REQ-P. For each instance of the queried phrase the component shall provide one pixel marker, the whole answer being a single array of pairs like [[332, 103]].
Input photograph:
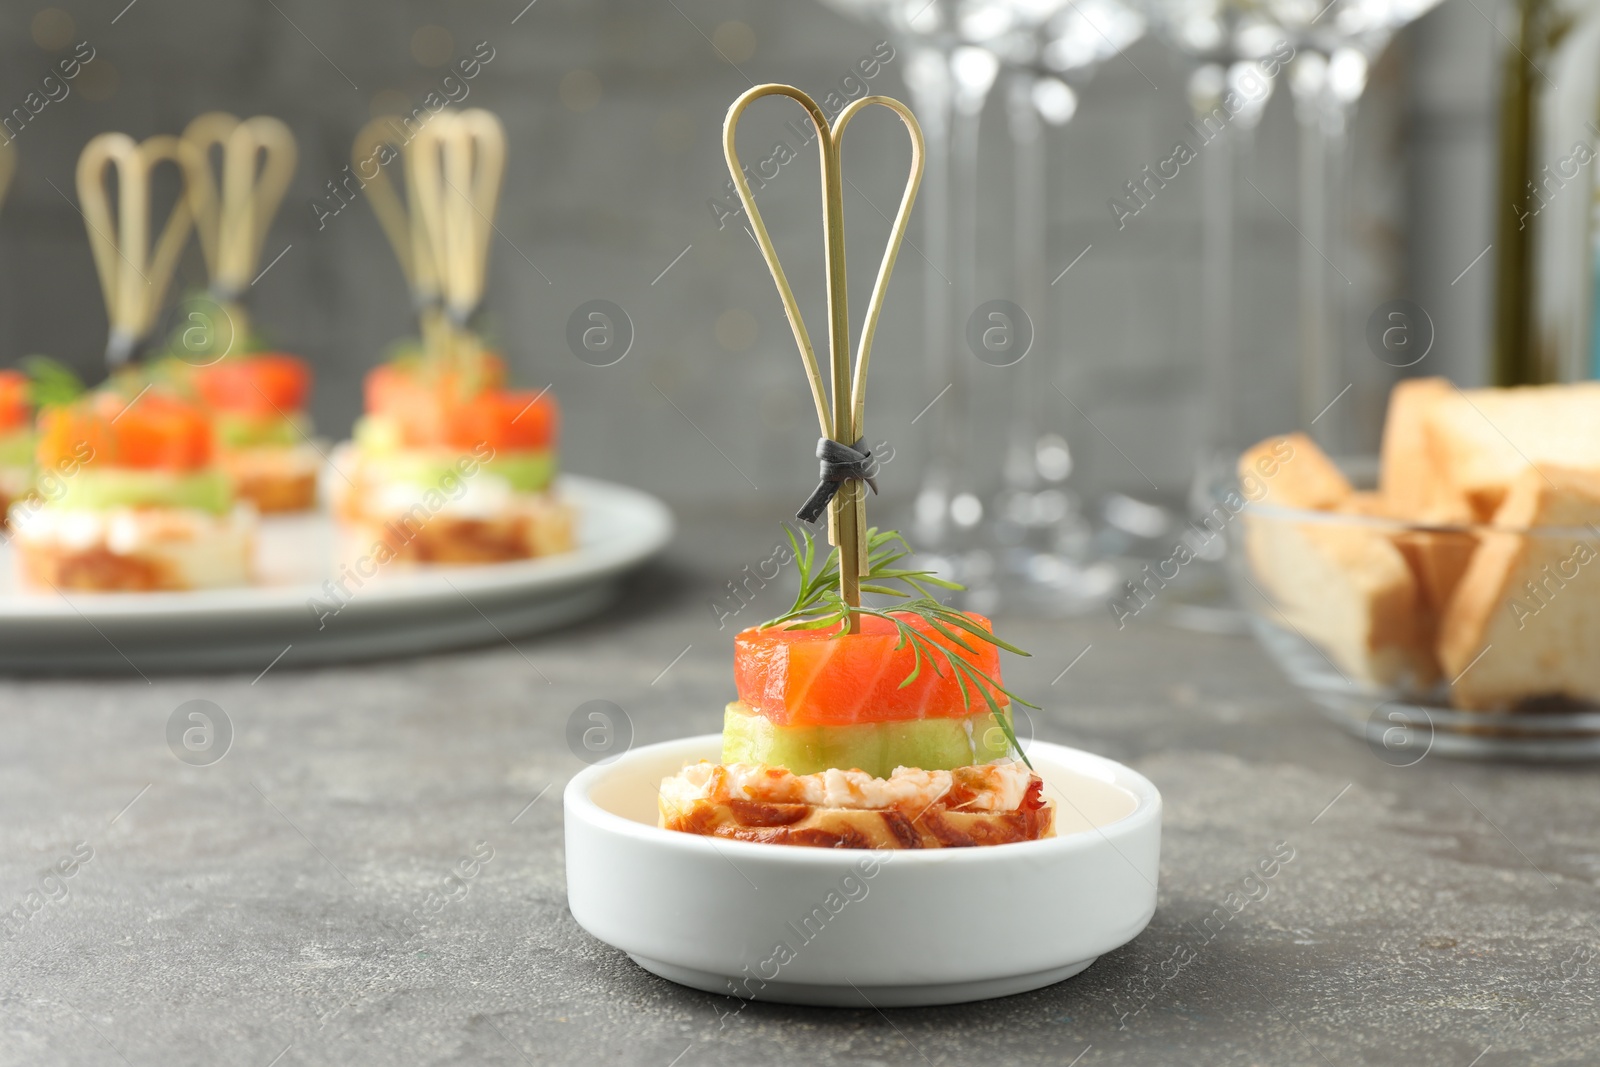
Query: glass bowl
[[1466, 640]]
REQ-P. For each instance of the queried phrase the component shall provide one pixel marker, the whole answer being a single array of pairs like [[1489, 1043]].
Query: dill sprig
[[50, 382], [819, 605]]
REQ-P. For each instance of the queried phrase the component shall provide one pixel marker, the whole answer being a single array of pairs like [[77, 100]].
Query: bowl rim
[[1230, 484], [1147, 808]]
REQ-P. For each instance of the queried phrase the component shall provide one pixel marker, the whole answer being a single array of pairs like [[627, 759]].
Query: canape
[[896, 735], [16, 439], [871, 754], [450, 467], [861, 928], [263, 430], [235, 175], [137, 502]]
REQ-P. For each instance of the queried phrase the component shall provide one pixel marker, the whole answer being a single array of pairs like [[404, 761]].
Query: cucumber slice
[[99, 490], [528, 472], [235, 431], [875, 747], [16, 448], [376, 435]]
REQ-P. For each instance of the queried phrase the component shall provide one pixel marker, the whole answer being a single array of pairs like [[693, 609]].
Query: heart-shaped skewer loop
[[381, 142], [133, 272], [841, 402], [234, 202]]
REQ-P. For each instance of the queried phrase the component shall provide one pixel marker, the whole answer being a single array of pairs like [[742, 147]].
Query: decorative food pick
[[259, 396], [448, 464], [455, 169], [845, 465], [16, 408], [856, 725], [40, 381], [233, 210], [135, 499], [133, 272], [379, 143], [8, 167]]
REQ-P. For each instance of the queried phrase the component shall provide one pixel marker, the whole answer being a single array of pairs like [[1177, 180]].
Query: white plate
[[860, 928], [399, 612]]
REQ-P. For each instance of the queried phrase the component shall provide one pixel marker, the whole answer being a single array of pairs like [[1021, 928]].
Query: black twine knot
[[471, 320], [227, 294], [123, 347], [840, 463]]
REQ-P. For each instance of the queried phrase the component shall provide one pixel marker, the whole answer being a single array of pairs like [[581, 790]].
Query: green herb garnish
[[819, 605], [207, 329], [50, 382]]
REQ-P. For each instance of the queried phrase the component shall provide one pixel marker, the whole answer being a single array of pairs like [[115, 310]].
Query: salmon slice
[[823, 678]]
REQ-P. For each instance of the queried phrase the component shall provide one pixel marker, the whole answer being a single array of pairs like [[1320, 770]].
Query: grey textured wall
[[614, 110]]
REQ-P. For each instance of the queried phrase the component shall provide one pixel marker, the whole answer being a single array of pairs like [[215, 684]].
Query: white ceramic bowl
[[856, 928]]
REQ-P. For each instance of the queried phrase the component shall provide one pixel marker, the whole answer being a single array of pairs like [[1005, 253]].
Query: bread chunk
[[1482, 439], [1292, 472], [985, 804], [1411, 479], [1344, 587], [1533, 601]]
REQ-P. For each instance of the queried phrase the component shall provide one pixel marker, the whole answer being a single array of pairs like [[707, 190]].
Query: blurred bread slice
[[1532, 601], [1438, 561], [1437, 558], [1344, 587], [1412, 480], [1480, 440], [1292, 472], [1428, 420]]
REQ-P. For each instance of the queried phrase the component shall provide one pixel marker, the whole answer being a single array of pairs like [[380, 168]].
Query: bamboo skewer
[[133, 273], [455, 172], [8, 168], [402, 223], [844, 419], [232, 214], [454, 167]]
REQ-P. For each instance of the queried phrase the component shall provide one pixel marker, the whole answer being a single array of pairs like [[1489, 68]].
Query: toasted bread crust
[[96, 569], [274, 478], [277, 493], [725, 814], [453, 539], [137, 550], [1294, 472], [1482, 439], [1437, 559], [1521, 624], [1346, 588], [1411, 476]]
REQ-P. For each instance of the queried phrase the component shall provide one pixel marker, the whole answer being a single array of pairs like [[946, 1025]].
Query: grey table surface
[[252, 911]]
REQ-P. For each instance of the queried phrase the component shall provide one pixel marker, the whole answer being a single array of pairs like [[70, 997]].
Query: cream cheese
[[1003, 786]]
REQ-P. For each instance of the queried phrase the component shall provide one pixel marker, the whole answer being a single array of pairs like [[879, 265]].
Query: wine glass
[[1045, 538], [1335, 43], [1235, 58], [957, 50]]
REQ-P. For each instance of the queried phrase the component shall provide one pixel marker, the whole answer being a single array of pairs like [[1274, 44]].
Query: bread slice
[[1482, 439], [274, 478], [1412, 481], [125, 550], [1344, 587], [1531, 601], [1292, 472], [1437, 558], [986, 804]]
